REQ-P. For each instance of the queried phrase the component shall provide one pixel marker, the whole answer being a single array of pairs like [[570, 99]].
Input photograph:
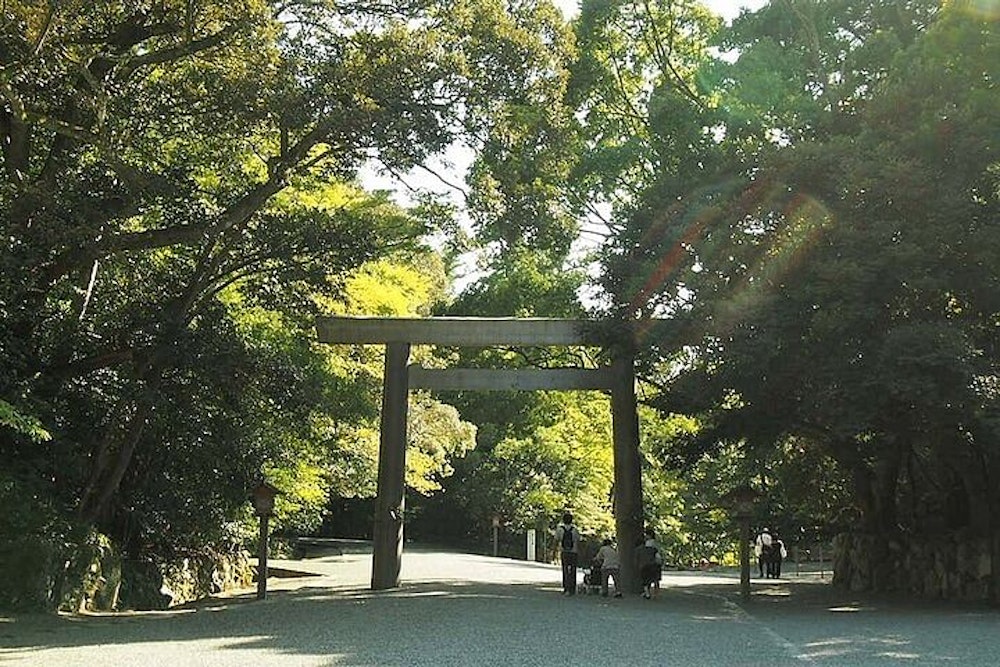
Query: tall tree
[[832, 287]]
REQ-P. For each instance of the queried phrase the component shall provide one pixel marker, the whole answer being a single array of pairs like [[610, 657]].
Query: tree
[[832, 291], [175, 210], [633, 88]]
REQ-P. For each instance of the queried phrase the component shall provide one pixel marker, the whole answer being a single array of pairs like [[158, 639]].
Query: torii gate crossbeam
[[399, 333]]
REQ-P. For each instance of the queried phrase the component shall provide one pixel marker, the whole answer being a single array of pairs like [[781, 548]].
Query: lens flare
[[692, 219], [986, 9], [668, 263], [806, 219]]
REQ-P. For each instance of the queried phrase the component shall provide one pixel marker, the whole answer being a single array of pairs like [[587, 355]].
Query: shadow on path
[[461, 609]]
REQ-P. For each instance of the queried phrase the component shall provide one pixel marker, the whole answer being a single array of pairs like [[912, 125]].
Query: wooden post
[[263, 504], [496, 537], [262, 559], [387, 547], [628, 470], [744, 556]]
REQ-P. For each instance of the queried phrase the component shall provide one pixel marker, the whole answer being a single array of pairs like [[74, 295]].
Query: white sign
[[532, 551]]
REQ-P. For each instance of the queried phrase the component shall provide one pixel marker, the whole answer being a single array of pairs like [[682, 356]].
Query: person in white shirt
[[568, 539], [607, 556], [762, 549]]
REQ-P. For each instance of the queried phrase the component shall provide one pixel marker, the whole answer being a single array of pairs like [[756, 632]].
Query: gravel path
[[458, 609]]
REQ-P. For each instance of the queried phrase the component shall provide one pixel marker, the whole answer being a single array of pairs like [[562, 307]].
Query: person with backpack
[[650, 564], [568, 539]]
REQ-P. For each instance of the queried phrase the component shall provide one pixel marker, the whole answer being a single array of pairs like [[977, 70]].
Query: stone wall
[[147, 585], [90, 574], [954, 566]]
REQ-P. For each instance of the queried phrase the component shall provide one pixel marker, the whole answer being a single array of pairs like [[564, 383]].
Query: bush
[[30, 571], [33, 547]]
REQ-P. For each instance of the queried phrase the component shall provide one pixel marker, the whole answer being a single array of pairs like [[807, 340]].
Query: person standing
[[568, 539], [607, 556], [762, 549], [650, 564], [778, 554]]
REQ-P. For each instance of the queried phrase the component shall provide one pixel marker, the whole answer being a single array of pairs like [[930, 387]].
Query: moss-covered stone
[[955, 566], [90, 574]]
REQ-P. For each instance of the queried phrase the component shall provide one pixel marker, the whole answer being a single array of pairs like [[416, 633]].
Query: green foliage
[[826, 264], [635, 60], [527, 283], [176, 213], [26, 425], [32, 564], [436, 436], [563, 461]]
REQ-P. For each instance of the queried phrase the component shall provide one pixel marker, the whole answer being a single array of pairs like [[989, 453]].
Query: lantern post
[[262, 496], [741, 501]]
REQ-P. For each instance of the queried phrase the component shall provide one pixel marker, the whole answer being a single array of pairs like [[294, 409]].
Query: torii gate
[[398, 334]]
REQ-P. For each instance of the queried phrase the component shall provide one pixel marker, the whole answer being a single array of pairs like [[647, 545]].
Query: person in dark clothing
[[650, 561], [568, 539], [778, 554]]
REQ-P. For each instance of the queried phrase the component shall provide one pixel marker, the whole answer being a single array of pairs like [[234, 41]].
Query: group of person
[[770, 552], [769, 549], [607, 560]]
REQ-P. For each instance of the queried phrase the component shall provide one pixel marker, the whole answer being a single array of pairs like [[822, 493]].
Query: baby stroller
[[592, 579]]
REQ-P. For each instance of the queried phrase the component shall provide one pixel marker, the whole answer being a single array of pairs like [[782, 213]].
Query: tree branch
[[178, 52]]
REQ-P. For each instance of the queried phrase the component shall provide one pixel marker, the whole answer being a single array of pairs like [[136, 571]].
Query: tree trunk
[[112, 462], [885, 487]]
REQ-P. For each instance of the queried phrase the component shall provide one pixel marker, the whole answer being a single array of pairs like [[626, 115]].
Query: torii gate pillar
[[628, 469], [387, 535]]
